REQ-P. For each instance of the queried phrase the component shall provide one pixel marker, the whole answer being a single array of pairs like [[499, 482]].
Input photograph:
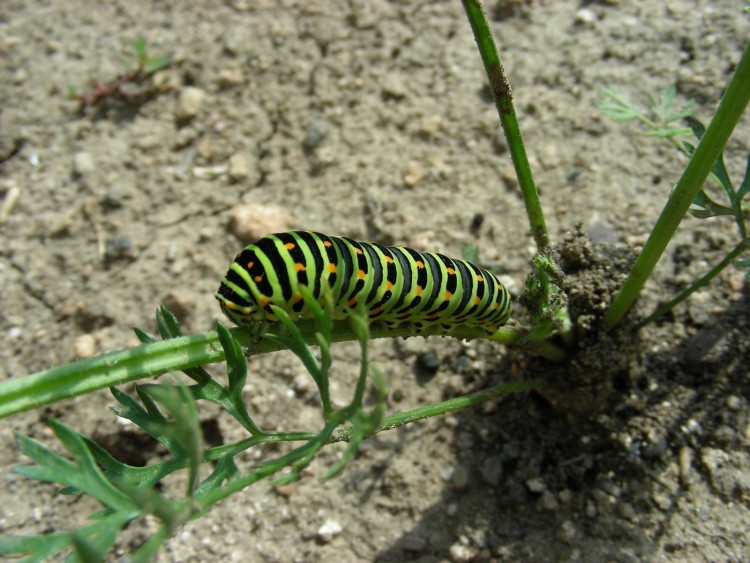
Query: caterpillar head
[[239, 315]]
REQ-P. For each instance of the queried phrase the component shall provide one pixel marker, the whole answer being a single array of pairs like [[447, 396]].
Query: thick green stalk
[[116, 368], [730, 109], [503, 97]]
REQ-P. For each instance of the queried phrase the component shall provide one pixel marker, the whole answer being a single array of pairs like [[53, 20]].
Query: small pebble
[[662, 501], [460, 365], [113, 197], [692, 426], [238, 169], [231, 77], [301, 383], [413, 174], [209, 172], [329, 530], [117, 248], [428, 362], [734, 403], [536, 485], [52, 46], [83, 164], [166, 80], [458, 552], [451, 509], [252, 221], [737, 280], [85, 346], [626, 511], [205, 148], [317, 131], [285, 491], [9, 202], [430, 125], [585, 16], [189, 103], [450, 421], [393, 86]]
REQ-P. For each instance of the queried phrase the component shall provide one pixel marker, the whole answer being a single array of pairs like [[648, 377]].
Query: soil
[[371, 120]]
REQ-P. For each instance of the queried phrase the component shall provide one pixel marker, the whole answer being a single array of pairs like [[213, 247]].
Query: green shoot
[[149, 64], [661, 114]]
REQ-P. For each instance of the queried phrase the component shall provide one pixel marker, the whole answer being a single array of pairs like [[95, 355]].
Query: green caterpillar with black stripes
[[398, 285]]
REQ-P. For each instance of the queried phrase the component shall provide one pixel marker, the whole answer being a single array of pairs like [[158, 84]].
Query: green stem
[[730, 109], [117, 368], [715, 271], [503, 97], [300, 455], [444, 407], [535, 341]]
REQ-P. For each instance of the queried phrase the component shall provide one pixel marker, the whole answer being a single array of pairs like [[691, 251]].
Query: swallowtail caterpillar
[[397, 285]]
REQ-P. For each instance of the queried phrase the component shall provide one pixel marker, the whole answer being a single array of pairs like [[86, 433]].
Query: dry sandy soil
[[371, 120]]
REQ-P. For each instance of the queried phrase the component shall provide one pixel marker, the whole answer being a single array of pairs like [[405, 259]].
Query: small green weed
[[129, 84]]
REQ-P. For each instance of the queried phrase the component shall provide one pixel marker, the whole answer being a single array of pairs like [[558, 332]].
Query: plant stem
[[531, 342], [715, 271], [503, 97], [444, 407], [730, 109], [116, 368]]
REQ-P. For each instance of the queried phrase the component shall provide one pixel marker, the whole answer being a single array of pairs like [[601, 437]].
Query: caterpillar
[[397, 285]]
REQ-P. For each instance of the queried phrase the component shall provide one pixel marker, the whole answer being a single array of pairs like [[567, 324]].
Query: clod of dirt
[[602, 356]]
